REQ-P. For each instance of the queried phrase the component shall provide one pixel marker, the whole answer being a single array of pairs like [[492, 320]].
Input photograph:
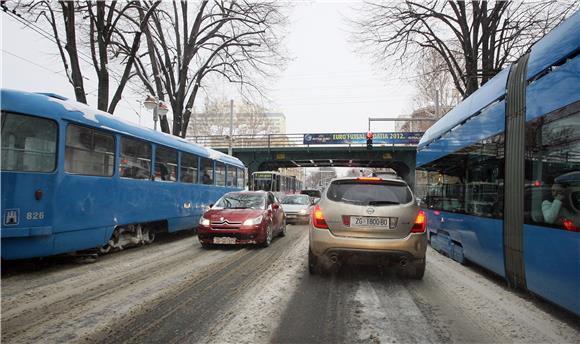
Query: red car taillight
[[318, 220], [420, 223]]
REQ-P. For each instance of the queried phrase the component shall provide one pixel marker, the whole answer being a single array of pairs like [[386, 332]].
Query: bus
[[501, 172], [76, 179], [276, 182]]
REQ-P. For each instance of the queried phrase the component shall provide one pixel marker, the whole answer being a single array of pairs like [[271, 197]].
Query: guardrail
[[278, 140]]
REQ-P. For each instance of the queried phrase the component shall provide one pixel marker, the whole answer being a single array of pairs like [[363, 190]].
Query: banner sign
[[390, 138], [266, 175]]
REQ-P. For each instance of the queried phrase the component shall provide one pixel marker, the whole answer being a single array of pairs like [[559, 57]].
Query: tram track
[[66, 269], [18, 320], [31, 320], [196, 305]]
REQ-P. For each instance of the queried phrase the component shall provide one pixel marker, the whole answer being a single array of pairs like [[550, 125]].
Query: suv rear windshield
[[369, 193]]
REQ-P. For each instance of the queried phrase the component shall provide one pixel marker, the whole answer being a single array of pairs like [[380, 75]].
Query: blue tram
[[74, 178], [499, 175]]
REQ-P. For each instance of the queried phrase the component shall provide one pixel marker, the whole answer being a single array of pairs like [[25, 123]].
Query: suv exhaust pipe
[[333, 259], [403, 262]]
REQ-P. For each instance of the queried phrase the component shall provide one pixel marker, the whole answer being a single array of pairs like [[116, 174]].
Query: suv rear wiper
[[382, 202]]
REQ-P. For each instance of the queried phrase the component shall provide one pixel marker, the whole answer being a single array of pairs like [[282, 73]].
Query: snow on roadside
[[507, 314], [257, 313]]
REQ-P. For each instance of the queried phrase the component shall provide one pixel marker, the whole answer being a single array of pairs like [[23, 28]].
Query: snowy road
[[176, 292]]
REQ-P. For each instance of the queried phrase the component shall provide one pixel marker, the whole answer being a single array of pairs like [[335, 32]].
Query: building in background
[[423, 112], [277, 122], [250, 123]]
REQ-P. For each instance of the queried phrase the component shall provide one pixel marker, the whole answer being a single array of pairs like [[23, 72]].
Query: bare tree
[[320, 177], [475, 39], [435, 86], [101, 27], [187, 42], [435, 93]]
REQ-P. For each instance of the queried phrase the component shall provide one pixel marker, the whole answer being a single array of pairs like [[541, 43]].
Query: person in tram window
[[205, 178], [557, 211]]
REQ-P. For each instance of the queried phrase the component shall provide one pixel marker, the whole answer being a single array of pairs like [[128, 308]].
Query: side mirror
[[211, 205]]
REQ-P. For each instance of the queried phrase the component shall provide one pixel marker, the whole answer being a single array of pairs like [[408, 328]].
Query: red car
[[252, 217]]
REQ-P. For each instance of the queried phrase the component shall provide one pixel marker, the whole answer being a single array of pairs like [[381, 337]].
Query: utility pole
[[231, 126]]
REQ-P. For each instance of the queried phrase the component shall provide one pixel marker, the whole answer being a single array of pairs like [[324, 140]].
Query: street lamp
[[162, 109], [158, 107]]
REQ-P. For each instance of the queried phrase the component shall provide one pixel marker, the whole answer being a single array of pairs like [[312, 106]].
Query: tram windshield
[[263, 184]]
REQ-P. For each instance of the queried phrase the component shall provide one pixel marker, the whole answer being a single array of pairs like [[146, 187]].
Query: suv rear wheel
[[415, 270]]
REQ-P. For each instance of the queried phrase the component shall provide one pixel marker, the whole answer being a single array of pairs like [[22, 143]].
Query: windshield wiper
[[382, 202]]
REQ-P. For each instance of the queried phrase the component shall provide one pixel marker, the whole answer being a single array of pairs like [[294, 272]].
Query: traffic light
[[369, 140]]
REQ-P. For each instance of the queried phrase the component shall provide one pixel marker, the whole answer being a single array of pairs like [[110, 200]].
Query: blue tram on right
[[499, 175], [74, 178]]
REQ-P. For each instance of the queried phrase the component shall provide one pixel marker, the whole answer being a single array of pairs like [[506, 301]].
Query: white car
[[297, 208]]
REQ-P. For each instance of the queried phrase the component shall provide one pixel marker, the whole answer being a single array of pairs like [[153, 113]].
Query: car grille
[[225, 224]]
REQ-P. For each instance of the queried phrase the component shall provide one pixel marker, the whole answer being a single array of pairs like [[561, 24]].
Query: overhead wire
[[82, 55], [59, 73]]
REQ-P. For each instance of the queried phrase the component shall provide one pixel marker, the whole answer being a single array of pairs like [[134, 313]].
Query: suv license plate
[[368, 221], [224, 240]]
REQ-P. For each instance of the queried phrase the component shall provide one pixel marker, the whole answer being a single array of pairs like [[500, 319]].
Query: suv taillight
[[420, 223], [318, 220]]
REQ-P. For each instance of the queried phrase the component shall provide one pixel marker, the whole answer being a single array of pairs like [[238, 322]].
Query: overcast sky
[[326, 86]]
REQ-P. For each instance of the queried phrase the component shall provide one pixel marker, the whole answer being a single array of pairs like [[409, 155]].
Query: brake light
[[346, 220], [375, 179], [420, 223], [569, 226], [318, 220]]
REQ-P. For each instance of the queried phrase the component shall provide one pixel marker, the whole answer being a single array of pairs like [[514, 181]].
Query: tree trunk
[[68, 9], [103, 75]]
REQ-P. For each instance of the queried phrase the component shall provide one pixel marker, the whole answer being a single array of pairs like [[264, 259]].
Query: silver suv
[[370, 219]]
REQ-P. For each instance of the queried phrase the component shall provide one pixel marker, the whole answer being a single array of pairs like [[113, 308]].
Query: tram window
[[231, 170], [552, 179], [484, 179], [89, 151], [220, 174], [446, 184], [188, 168], [165, 164], [206, 172], [28, 143], [135, 159], [241, 178]]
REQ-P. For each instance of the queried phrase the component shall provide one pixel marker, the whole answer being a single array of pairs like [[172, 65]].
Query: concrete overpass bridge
[[270, 152]]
